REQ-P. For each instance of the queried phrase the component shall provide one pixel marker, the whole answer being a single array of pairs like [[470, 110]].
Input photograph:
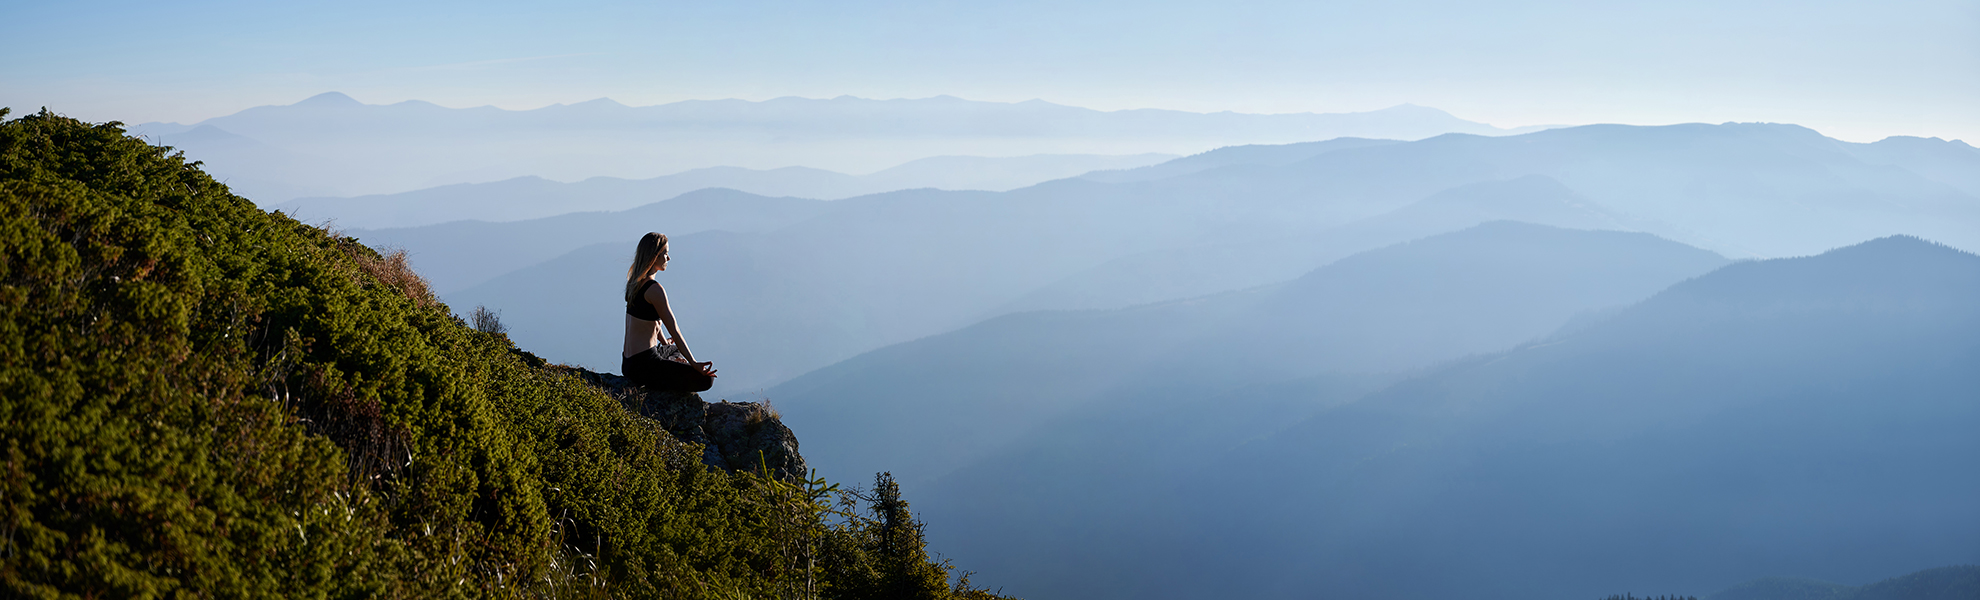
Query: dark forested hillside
[[200, 399], [1943, 583]]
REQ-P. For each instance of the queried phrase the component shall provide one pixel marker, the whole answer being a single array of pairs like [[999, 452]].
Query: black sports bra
[[639, 308]]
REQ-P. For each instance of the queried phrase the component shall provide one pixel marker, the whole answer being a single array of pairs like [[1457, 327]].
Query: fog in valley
[[1099, 300], [332, 145], [1160, 354]]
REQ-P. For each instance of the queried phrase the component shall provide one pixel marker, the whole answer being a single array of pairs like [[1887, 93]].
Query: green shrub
[[201, 399], [884, 555]]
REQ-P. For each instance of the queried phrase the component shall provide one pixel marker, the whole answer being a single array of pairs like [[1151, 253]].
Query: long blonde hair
[[644, 256]]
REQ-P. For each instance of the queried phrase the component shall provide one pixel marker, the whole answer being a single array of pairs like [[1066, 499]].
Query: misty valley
[[1557, 364], [1377, 355]]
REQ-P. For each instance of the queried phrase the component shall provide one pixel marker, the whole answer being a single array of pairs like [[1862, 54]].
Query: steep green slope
[[199, 399]]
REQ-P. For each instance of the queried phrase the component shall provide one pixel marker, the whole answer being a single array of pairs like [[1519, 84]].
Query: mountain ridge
[[1764, 191], [412, 145], [1362, 314], [1713, 444], [532, 197]]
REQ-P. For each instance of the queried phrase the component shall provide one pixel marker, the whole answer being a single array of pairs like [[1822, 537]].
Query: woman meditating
[[659, 365]]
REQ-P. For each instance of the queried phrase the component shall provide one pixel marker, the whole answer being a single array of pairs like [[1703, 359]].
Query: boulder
[[734, 436]]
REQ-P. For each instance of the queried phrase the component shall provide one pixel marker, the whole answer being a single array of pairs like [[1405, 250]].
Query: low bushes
[[201, 399]]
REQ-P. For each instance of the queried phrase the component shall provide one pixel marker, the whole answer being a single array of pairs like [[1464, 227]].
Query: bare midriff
[[641, 335]]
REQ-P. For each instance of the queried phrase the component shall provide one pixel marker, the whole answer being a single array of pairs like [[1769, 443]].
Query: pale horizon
[[1853, 72], [518, 107], [194, 113]]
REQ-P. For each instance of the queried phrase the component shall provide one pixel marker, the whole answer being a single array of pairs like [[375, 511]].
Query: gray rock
[[734, 436]]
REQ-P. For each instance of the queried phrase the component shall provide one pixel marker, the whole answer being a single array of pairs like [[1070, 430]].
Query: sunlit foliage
[[200, 398]]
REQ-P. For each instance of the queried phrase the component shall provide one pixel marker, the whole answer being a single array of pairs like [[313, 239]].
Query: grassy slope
[[201, 399]]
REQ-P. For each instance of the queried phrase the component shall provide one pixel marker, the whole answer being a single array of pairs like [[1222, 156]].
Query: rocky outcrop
[[734, 436]]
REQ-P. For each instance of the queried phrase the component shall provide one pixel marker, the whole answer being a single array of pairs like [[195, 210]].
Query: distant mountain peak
[[1864, 274], [1789, 129], [1912, 140], [1899, 245], [329, 99], [1882, 255]]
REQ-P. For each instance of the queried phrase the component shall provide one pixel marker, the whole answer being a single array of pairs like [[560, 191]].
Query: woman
[[657, 364]]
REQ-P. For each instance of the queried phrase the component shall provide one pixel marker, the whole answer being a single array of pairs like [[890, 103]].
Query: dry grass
[[761, 411], [391, 269]]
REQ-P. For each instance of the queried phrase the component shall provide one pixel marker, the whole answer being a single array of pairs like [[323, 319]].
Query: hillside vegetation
[[200, 399]]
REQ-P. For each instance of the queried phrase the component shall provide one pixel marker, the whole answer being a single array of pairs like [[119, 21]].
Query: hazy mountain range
[[1808, 417], [954, 397], [333, 145], [783, 286], [534, 197], [1565, 363]]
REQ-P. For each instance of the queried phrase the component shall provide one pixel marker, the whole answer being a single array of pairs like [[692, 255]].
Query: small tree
[[884, 556], [487, 321]]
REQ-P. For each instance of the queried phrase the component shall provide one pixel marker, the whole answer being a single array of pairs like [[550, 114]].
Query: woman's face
[[663, 257]]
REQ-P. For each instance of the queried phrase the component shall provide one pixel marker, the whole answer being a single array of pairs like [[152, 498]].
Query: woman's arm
[[657, 296]]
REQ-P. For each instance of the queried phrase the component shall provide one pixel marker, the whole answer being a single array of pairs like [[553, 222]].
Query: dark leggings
[[661, 375]]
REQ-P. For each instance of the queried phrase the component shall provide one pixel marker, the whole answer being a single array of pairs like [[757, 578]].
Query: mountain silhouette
[[329, 100], [953, 398], [1807, 415], [414, 145], [1249, 154], [526, 198], [1166, 274], [1952, 162], [882, 269]]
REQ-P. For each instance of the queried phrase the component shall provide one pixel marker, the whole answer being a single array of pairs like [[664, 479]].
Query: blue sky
[[1856, 70]]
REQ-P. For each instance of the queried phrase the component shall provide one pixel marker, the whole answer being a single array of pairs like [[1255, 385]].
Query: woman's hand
[[706, 368]]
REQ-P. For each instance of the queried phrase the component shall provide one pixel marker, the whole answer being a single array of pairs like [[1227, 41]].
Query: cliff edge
[[734, 436]]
